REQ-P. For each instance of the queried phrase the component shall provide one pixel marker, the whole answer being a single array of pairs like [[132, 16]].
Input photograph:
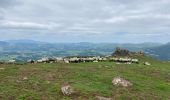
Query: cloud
[[6, 3], [85, 20], [27, 25]]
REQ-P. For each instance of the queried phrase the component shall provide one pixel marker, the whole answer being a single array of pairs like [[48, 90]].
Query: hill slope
[[43, 81], [160, 52]]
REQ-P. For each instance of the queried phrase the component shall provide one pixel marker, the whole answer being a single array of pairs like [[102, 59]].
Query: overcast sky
[[85, 20]]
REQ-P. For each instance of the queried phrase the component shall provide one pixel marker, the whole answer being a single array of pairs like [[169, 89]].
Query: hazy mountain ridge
[[160, 52], [28, 49]]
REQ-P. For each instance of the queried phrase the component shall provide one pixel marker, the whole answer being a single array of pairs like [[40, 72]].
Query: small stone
[[67, 90], [2, 68], [106, 66], [48, 82], [102, 98], [128, 63], [120, 81], [18, 81], [117, 63], [25, 78]]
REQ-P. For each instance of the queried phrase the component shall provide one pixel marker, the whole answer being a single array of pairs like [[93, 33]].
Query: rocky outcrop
[[125, 53], [121, 52]]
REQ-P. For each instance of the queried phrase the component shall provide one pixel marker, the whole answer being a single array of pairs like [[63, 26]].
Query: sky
[[118, 21]]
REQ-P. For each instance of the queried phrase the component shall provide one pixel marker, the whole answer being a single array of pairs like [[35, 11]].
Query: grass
[[88, 79]]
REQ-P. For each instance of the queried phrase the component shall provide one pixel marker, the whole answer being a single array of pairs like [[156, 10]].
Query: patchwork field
[[43, 81]]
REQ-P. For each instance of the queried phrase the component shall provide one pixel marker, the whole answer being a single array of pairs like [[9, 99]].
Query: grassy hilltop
[[88, 80]]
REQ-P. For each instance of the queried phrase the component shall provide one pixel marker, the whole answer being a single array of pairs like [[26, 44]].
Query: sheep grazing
[[11, 62], [66, 61], [147, 63], [124, 60], [59, 59], [39, 61], [30, 61], [74, 60], [95, 61], [1, 62], [135, 61]]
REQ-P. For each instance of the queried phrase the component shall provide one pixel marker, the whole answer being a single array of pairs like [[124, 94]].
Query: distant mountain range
[[29, 49], [161, 52]]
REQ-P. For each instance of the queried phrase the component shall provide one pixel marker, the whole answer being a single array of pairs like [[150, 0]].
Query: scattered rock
[[10, 61], [106, 66], [25, 78], [48, 82], [18, 81], [147, 63], [67, 90], [102, 98], [120, 81], [2, 68]]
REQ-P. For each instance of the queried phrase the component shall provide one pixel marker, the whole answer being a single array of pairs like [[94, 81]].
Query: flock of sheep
[[118, 60], [83, 59]]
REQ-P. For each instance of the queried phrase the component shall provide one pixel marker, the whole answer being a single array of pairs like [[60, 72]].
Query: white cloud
[[84, 18], [28, 25]]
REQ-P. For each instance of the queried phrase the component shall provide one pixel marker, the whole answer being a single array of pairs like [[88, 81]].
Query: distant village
[[119, 56]]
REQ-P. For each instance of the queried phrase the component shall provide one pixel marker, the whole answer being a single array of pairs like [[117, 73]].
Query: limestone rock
[[121, 82], [102, 98], [2, 68], [67, 90], [25, 78]]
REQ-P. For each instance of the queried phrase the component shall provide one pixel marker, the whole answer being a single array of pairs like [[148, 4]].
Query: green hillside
[[43, 81], [160, 52]]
